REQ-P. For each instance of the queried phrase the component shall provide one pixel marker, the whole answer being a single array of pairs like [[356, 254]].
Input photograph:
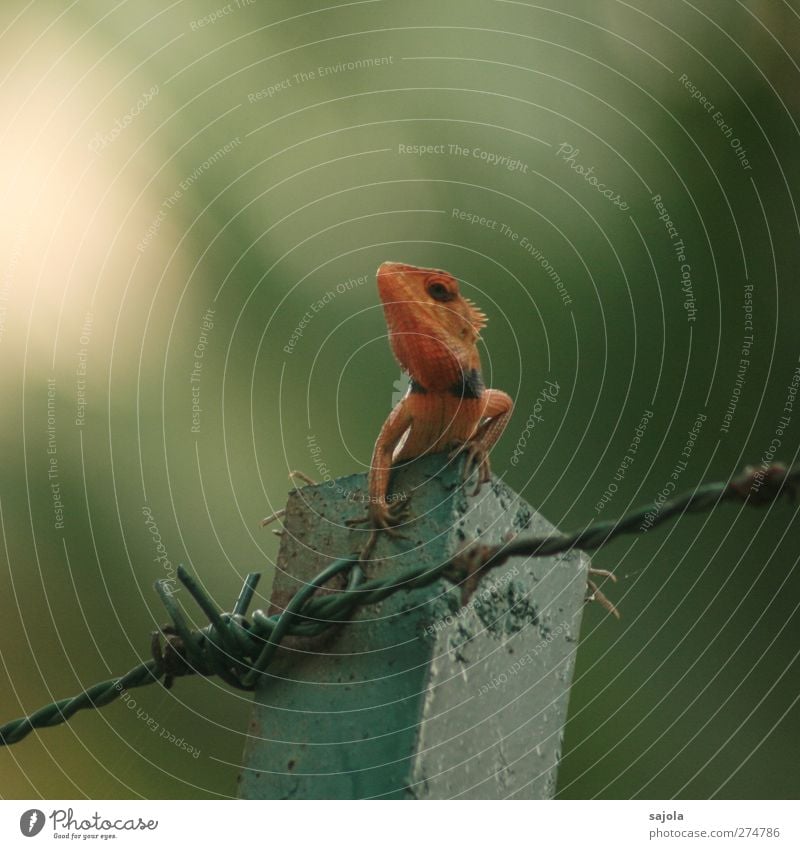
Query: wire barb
[[239, 651]]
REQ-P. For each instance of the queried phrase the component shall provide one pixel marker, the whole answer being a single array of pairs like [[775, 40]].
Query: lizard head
[[433, 328]]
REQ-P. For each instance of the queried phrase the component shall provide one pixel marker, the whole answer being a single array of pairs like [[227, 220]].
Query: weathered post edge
[[419, 697]]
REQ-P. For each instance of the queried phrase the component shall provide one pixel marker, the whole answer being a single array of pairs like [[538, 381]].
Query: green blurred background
[[149, 174]]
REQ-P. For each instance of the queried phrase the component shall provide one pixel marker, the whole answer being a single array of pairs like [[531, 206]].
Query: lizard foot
[[595, 593], [384, 518], [477, 460]]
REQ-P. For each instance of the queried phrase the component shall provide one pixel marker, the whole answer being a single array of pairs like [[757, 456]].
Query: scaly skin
[[433, 331]]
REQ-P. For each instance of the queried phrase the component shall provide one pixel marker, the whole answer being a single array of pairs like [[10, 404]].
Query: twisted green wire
[[239, 650]]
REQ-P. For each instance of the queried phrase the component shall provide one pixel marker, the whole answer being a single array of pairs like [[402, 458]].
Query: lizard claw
[[384, 518], [477, 460]]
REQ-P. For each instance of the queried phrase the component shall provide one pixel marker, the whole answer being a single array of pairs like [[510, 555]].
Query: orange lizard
[[433, 331]]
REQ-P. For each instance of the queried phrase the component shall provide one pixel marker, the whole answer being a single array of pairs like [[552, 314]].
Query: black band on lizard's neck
[[470, 386], [417, 388]]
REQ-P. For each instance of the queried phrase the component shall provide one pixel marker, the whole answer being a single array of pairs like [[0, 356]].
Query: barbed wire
[[239, 650]]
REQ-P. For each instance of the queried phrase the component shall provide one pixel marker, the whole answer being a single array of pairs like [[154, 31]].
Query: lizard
[[434, 332]]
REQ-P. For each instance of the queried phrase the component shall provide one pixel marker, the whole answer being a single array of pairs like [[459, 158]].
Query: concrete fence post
[[419, 697]]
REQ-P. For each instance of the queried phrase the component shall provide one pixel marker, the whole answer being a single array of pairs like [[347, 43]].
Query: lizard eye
[[439, 292]]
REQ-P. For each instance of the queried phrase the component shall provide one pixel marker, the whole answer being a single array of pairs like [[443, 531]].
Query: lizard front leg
[[497, 409], [381, 516]]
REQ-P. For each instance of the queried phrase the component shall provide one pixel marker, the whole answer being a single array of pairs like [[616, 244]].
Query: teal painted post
[[419, 697]]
